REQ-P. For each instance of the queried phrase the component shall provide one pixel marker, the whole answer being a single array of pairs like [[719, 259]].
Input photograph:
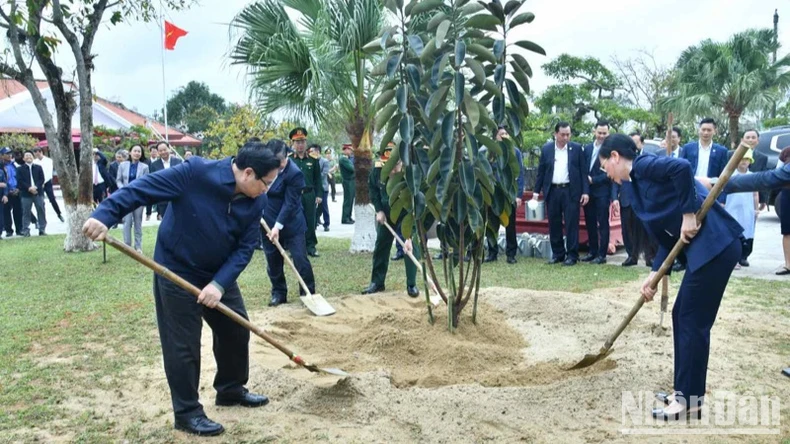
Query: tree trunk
[[734, 130], [364, 238]]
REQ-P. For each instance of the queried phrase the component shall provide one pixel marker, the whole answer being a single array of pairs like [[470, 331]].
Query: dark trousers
[[275, 261], [381, 257], [349, 194], [332, 186], [562, 206], [747, 245], [308, 204], [511, 245], [161, 208], [13, 215], [99, 191], [398, 247], [650, 246], [596, 216], [28, 202], [323, 211], [148, 209], [180, 321], [51, 196], [693, 315], [625, 220]]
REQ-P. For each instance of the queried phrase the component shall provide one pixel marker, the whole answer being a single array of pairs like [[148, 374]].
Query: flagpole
[[164, 90]]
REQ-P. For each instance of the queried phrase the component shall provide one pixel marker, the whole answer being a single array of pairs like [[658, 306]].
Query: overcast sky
[[129, 65]]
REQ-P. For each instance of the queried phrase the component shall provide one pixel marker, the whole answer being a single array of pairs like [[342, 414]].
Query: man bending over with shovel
[[207, 237]]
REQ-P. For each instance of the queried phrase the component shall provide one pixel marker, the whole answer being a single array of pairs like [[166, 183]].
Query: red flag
[[172, 34]]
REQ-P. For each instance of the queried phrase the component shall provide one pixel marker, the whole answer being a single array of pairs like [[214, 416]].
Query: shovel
[[434, 297], [222, 308], [314, 302], [591, 359]]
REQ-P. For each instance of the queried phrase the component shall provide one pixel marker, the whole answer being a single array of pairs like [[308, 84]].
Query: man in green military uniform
[[384, 238], [346, 164], [312, 183]]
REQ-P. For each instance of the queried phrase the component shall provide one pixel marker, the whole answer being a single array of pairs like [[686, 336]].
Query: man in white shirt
[[562, 179], [674, 144], [46, 164], [99, 176], [163, 162]]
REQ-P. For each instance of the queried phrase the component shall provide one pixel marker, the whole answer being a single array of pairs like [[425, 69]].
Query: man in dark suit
[[285, 216], [674, 144], [163, 162], [562, 179], [602, 194], [100, 177], [707, 158], [30, 180]]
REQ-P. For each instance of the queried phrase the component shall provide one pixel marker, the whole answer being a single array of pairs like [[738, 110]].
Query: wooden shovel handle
[[287, 259], [178, 280], [411, 256], [667, 264]]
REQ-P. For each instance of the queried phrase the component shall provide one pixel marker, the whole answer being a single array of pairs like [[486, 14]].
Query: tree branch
[[94, 19]]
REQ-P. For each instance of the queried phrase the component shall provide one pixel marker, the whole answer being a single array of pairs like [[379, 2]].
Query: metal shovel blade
[[591, 359], [317, 304]]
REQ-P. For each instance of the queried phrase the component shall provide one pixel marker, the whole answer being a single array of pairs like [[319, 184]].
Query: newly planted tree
[[448, 90]]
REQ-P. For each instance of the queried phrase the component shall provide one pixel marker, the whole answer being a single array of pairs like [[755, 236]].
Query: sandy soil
[[500, 381]]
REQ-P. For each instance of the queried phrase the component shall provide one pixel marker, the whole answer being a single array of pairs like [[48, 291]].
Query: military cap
[[298, 134]]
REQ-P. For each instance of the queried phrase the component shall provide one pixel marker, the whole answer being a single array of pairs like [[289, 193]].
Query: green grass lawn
[[97, 319]]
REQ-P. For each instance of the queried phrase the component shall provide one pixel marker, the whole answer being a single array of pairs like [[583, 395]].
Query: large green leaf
[[441, 32], [438, 68], [531, 46], [481, 52], [471, 8], [461, 207], [499, 49], [460, 52], [499, 75], [467, 177], [498, 106], [419, 205], [523, 64], [425, 6], [448, 125], [407, 226], [512, 6], [436, 99], [403, 98], [372, 47], [436, 20], [496, 10], [383, 99], [387, 138], [446, 158], [520, 77], [471, 110], [483, 21], [515, 121], [415, 42], [385, 115], [512, 92], [389, 165], [477, 70], [413, 74], [406, 131], [524, 17], [392, 64], [428, 52], [396, 183], [485, 119], [460, 83]]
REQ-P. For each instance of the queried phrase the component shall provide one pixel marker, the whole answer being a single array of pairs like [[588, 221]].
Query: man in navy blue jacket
[[707, 159], [562, 178], [602, 194], [207, 237], [285, 216]]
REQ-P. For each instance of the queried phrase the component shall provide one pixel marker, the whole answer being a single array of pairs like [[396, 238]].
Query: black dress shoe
[[556, 260], [629, 262], [511, 260], [743, 262], [569, 262], [351, 221], [589, 258], [314, 254], [413, 291], [60, 216], [373, 288], [397, 256], [200, 425], [42, 233], [598, 261], [277, 300], [245, 399], [490, 258], [326, 228]]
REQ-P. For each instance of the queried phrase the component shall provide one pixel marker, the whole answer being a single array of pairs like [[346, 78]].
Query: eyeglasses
[[603, 165], [268, 185]]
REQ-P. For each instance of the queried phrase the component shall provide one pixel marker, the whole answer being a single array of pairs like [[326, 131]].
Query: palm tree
[[314, 66], [732, 78]]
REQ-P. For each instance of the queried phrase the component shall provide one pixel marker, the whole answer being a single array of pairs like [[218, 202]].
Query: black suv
[[772, 142]]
